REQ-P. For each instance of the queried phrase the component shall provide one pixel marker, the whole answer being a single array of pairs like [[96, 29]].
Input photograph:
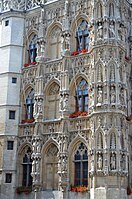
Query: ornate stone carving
[[100, 31], [99, 161], [111, 29], [113, 94], [113, 161], [99, 96]]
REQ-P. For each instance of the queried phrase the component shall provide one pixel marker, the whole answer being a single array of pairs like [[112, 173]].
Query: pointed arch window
[[112, 141], [122, 141], [82, 96], [82, 36], [30, 105], [33, 49], [27, 169], [55, 43], [100, 141], [81, 165], [99, 10], [111, 10]]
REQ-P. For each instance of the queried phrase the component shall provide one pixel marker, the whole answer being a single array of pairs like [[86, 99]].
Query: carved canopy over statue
[[20, 4]]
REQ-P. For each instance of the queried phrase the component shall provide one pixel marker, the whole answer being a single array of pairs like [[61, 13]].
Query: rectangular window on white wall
[[14, 80], [12, 115]]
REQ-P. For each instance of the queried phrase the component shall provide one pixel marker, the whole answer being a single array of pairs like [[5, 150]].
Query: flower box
[[25, 190], [25, 65], [127, 58], [129, 191], [77, 114], [79, 189], [74, 53], [77, 52], [83, 51], [33, 63], [29, 64], [129, 118], [28, 121]]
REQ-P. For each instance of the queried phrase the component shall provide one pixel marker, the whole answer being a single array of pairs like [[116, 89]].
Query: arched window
[[32, 49], [30, 105], [111, 10], [81, 165], [99, 10], [112, 141], [55, 43], [82, 96], [82, 36], [50, 168], [122, 141], [52, 102], [100, 141], [27, 169]]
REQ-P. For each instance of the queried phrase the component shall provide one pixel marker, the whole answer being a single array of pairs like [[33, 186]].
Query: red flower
[[27, 121], [127, 58], [25, 65], [33, 63], [129, 118], [74, 53], [129, 191], [84, 51], [79, 113], [25, 190], [79, 189]]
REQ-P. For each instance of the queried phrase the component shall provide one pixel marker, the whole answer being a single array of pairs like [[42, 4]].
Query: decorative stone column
[[36, 157], [63, 160], [66, 32]]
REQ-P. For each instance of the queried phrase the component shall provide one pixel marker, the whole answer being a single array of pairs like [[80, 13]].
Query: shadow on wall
[[24, 196], [44, 195]]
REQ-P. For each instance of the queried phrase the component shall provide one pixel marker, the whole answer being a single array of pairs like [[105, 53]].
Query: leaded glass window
[[81, 165], [33, 49], [27, 169], [82, 36], [82, 96], [30, 105]]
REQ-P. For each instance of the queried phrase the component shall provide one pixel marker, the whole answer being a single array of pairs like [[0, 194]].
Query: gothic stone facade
[[65, 99]]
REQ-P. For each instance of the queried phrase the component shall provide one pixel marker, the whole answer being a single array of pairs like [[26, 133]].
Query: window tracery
[[81, 165], [51, 167], [32, 49], [55, 43], [82, 96], [99, 10], [52, 102], [100, 141], [112, 141], [111, 10], [82, 36], [27, 169], [30, 105]]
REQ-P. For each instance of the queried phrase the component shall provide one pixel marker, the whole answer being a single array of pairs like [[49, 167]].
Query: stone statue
[[111, 30], [64, 149], [40, 106], [100, 30], [65, 102], [100, 162], [61, 103], [113, 162], [113, 95], [64, 164], [100, 97], [122, 97]]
